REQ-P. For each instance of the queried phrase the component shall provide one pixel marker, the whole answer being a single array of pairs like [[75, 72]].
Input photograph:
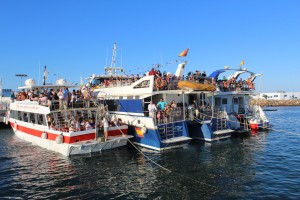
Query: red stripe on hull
[[117, 132], [66, 139], [52, 136], [87, 136]]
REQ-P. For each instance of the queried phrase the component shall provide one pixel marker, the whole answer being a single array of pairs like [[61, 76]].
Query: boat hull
[[157, 139], [68, 145], [203, 131]]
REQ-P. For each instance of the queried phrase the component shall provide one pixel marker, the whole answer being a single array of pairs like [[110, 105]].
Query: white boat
[[128, 99], [232, 99], [46, 123]]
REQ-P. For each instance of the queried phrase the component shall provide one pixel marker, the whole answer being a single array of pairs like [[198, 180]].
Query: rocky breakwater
[[263, 102]]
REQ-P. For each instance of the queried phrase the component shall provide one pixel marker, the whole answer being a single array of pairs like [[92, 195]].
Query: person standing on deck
[[105, 127], [152, 110], [65, 98], [60, 99], [49, 97], [161, 104]]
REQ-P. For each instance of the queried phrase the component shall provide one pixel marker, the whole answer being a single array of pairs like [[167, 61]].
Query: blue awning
[[215, 74]]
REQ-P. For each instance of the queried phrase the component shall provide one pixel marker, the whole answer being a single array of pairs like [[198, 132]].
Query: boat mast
[[113, 59], [112, 69]]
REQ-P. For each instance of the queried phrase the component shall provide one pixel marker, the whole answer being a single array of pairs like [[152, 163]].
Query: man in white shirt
[[152, 109], [105, 127]]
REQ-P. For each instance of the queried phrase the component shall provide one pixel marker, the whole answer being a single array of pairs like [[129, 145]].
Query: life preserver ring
[[159, 83], [144, 130]]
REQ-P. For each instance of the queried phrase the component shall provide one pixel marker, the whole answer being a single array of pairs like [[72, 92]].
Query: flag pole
[[44, 79]]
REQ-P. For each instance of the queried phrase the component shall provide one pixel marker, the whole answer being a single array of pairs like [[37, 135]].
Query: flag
[[45, 76], [242, 63], [139, 132], [184, 53]]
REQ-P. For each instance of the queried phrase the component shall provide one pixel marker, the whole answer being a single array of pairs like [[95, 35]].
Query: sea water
[[263, 165]]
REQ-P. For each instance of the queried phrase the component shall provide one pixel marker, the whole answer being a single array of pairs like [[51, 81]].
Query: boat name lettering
[[27, 105]]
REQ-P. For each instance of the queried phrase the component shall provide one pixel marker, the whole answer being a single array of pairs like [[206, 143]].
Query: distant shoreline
[[263, 102]]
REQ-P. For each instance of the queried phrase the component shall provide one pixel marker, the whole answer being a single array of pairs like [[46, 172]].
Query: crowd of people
[[80, 123], [161, 111], [164, 113], [235, 85], [49, 97], [167, 81]]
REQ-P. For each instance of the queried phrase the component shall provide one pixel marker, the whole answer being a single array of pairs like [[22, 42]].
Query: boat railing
[[61, 105], [160, 83], [162, 116], [223, 86]]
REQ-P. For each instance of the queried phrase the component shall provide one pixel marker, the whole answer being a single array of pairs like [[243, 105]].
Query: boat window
[[120, 97], [31, 118], [143, 84], [136, 97], [236, 101], [25, 116], [41, 119], [224, 101], [130, 97], [217, 101], [20, 117], [113, 105], [13, 114], [97, 81]]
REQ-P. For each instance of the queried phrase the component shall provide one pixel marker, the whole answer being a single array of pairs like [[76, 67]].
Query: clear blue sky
[[72, 38]]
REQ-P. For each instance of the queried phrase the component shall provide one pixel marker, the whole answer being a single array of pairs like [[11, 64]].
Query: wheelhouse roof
[[216, 73], [31, 87]]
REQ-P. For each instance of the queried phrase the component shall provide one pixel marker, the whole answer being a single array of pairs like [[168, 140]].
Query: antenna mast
[[113, 59], [112, 69]]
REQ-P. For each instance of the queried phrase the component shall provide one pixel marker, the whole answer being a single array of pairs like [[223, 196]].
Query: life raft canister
[[159, 83]]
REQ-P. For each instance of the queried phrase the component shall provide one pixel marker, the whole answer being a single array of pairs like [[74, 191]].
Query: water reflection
[[258, 165]]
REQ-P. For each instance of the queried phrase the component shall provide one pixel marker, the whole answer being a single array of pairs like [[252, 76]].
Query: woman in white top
[[60, 99], [152, 109], [88, 125], [72, 129]]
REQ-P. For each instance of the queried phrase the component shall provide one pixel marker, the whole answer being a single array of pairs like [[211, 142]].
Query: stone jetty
[[263, 102]]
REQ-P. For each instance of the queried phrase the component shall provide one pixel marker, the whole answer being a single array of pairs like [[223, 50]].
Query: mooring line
[[160, 166]]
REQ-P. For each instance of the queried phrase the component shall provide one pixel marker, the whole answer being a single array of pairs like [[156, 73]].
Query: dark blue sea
[[265, 165]]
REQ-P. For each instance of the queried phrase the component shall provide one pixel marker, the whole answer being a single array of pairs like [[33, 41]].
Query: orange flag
[[184, 53], [242, 63]]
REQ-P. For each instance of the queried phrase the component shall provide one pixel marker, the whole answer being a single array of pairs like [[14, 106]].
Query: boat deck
[[176, 139]]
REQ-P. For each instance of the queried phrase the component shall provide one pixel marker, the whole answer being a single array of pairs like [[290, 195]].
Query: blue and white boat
[[232, 98], [128, 98]]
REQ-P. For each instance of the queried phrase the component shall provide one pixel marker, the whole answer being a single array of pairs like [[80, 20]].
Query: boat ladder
[[167, 131]]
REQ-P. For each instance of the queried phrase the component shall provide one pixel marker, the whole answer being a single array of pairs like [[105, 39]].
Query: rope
[[151, 160]]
